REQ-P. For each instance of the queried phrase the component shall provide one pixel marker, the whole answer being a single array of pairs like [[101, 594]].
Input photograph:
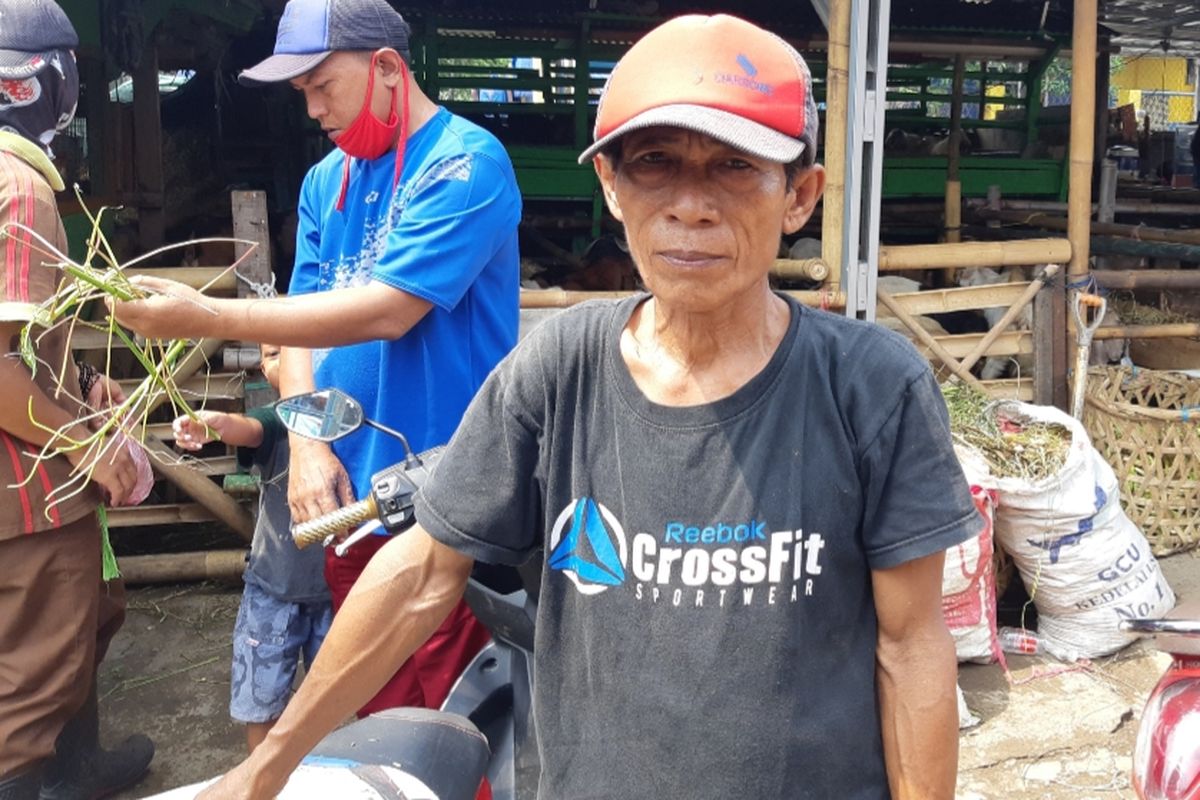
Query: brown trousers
[[56, 620]]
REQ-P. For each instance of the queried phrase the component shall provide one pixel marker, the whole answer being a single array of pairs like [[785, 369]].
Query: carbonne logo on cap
[[747, 79]]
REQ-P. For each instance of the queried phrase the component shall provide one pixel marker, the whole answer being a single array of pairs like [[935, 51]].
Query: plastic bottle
[[1019, 640]]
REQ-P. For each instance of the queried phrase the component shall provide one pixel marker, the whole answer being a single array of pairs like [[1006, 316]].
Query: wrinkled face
[[269, 363], [703, 219], [334, 91]]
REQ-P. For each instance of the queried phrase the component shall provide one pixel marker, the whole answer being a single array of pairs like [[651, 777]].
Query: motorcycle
[[485, 726], [1166, 760]]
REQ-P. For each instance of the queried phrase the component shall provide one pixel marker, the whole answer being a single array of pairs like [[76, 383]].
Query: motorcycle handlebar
[[318, 529]]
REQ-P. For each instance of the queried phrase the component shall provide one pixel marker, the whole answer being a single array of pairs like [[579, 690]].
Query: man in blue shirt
[[404, 292]]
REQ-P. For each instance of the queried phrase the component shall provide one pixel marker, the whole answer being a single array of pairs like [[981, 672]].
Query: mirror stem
[[410, 457]]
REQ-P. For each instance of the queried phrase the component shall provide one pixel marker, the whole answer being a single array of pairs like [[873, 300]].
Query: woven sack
[[1146, 424]]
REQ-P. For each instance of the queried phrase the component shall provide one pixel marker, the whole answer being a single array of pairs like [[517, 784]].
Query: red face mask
[[368, 137]]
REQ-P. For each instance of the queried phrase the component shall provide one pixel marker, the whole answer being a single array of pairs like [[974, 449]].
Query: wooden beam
[[168, 514], [966, 298], [220, 565], [1009, 343]]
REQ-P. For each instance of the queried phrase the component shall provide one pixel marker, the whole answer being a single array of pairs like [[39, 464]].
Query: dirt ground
[[1053, 731]]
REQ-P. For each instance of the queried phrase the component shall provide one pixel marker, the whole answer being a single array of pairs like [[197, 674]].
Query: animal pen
[[533, 76]]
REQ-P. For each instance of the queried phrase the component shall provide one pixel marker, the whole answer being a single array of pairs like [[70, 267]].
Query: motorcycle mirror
[[326, 415]]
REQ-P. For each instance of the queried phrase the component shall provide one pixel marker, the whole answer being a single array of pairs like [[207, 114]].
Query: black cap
[[30, 32], [312, 29]]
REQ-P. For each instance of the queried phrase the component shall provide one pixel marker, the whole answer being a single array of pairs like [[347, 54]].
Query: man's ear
[[608, 184], [391, 67], [807, 188]]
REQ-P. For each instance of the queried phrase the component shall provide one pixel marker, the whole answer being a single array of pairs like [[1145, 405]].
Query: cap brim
[[736, 131], [281, 67], [20, 64]]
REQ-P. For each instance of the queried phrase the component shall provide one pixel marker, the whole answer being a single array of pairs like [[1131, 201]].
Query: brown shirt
[[26, 198]]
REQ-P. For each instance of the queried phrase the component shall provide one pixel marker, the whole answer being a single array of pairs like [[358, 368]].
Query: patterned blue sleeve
[[306, 271], [456, 217]]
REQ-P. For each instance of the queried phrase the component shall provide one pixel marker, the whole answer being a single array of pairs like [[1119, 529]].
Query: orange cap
[[717, 75]]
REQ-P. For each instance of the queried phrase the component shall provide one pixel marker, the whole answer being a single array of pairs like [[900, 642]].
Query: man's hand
[[112, 468], [104, 396], [317, 481], [171, 310], [243, 782]]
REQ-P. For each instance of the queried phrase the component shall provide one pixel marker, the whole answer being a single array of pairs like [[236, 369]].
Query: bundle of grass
[[1012, 447], [98, 278]]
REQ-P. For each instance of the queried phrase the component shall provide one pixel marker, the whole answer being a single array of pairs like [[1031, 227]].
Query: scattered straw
[[1012, 448]]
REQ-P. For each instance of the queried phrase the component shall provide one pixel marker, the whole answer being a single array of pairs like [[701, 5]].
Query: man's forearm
[[919, 717], [324, 319], [406, 591], [17, 416]]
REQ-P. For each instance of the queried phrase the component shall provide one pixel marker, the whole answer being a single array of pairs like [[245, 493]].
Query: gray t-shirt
[[277, 566], [706, 627]]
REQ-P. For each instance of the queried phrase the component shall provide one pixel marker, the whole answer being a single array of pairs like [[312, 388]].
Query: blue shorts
[[269, 637]]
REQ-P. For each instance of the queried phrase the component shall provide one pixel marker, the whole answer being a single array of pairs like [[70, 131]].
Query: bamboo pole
[[181, 567], [1143, 207], [1083, 134], [953, 183], [216, 279], [559, 298], [927, 339], [1022, 252], [1149, 279], [1138, 232], [1183, 330], [809, 269], [837, 112]]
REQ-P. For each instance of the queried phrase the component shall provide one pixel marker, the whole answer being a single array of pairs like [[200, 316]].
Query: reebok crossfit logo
[[587, 544], [719, 564]]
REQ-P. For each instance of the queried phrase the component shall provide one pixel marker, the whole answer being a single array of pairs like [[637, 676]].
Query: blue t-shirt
[[447, 234]]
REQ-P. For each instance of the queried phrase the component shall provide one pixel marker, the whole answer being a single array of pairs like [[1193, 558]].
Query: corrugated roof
[[1143, 26]]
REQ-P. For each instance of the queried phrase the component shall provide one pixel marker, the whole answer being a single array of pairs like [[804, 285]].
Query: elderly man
[[404, 292], [740, 504], [57, 616]]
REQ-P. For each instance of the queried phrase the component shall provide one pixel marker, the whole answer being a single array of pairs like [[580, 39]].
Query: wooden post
[[837, 109], [1083, 134], [953, 183], [97, 113], [249, 211], [1103, 80], [250, 224], [1107, 211], [147, 149]]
